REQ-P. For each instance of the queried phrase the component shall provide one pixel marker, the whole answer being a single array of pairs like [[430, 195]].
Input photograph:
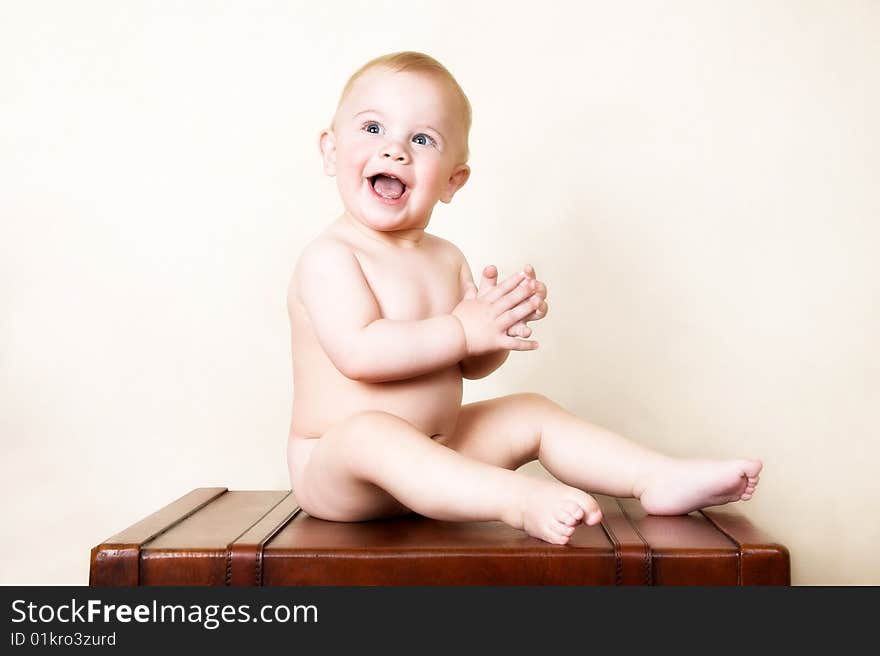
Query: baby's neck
[[410, 238]]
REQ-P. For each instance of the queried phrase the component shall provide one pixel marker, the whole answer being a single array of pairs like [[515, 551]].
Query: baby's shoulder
[[325, 246], [445, 250], [325, 257]]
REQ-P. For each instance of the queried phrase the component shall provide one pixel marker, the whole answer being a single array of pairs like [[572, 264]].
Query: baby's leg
[[524, 427], [374, 463]]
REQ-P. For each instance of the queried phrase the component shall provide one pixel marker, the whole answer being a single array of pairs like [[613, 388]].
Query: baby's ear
[[327, 144], [459, 176]]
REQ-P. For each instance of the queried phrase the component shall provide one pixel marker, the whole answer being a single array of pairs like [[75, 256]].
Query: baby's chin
[[387, 221], [386, 217], [390, 224]]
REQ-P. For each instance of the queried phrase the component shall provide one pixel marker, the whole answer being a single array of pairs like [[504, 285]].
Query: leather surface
[[685, 548], [244, 563], [117, 560], [633, 554], [414, 550], [216, 537], [762, 560]]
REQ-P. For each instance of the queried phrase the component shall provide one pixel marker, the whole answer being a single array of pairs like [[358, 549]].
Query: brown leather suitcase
[[213, 536]]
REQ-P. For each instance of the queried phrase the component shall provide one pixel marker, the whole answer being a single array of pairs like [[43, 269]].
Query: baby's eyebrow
[[368, 111]]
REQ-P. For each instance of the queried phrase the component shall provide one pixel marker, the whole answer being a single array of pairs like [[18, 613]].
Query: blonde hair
[[416, 62]]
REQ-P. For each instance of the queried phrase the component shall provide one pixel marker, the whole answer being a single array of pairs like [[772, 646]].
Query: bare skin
[[386, 320]]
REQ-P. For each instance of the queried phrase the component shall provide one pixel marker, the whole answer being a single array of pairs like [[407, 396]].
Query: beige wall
[[696, 181]]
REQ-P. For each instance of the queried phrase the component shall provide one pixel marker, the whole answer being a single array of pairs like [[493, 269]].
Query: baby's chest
[[410, 289]]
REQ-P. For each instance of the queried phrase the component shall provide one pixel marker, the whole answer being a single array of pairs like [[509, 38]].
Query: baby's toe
[[553, 537], [591, 510], [564, 517], [574, 510], [560, 533]]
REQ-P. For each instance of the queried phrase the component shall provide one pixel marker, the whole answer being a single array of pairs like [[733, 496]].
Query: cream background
[[696, 182]]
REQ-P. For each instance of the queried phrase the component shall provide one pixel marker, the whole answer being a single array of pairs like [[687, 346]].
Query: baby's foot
[[550, 510], [680, 486]]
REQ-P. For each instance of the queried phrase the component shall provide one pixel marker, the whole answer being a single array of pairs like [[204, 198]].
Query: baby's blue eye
[[372, 128], [423, 139]]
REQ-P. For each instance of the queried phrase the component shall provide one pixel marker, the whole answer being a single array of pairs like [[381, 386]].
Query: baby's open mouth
[[387, 186]]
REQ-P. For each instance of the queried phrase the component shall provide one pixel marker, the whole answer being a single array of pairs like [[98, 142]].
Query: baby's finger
[[489, 280], [519, 330], [504, 287], [540, 313], [515, 297], [520, 312], [541, 289], [513, 344]]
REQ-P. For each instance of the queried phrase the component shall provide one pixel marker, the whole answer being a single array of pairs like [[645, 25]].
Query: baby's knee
[[368, 435], [534, 403], [368, 430], [370, 423]]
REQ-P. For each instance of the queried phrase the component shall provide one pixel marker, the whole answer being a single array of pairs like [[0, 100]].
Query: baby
[[386, 321]]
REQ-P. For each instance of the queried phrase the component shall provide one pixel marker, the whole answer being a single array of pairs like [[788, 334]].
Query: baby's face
[[397, 147]]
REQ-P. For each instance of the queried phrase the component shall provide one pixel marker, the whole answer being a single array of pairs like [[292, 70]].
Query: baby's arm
[[480, 366], [348, 324], [363, 346]]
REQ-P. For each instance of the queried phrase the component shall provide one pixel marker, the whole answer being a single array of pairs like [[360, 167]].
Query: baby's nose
[[395, 153]]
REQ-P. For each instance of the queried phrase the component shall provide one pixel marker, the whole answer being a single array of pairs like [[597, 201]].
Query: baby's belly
[[431, 402]]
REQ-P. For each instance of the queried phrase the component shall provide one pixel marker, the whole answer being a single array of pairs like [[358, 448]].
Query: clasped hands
[[494, 316]]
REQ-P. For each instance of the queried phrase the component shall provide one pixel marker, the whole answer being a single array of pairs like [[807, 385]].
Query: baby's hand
[[519, 329], [488, 314]]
